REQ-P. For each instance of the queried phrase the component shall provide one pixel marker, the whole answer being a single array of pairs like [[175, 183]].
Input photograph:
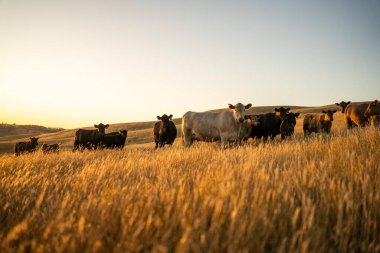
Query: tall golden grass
[[320, 194]]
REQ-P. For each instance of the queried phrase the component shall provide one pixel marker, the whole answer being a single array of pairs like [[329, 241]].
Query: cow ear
[[107, 125], [288, 109], [231, 106], [334, 111], [96, 126], [248, 106], [170, 116], [337, 104], [323, 111], [158, 117], [297, 114], [276, 109], [349, 102], [375, 102]]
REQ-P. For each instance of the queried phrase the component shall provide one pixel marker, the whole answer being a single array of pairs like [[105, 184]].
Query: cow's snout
[[241, 120]]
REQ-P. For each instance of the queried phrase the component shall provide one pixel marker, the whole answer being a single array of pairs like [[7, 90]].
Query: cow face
[[123, 132], [292, 118], [329, 115], [33, 141], [282, 112], [165, 119], [254, 120], [239, 111], [343, 105], [102, 128], [372, 109]]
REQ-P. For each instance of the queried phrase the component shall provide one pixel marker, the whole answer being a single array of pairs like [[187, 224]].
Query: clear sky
[[73, 63]]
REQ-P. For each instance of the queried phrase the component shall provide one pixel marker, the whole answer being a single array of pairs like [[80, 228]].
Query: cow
[[164, 131], [114, 139], [372, 109], [318, 123], [26, 147], [50, 148], [86, 138], [354, 114], [288, 124], [227, 126], [269, 124]]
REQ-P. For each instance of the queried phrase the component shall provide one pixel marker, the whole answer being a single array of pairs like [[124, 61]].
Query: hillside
[[141, 132]]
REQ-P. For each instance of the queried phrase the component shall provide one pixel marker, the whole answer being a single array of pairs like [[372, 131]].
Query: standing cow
[[164, 131], [26, 147], [319, 123], [288, 124], [270, 124], [114, 139], [373, 112], [86, 138], [226, 126], [354, 114]]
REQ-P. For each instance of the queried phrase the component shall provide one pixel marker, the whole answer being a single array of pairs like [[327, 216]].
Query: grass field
[[320, 194]]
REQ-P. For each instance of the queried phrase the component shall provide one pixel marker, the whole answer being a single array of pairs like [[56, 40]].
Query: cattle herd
[[231, 126]]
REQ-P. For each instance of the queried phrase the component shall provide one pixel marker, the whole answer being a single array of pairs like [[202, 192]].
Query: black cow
[[50, 148], [269, 124], [114, 139], [164, 131], [89, 138], [26, 147], [288, 124]]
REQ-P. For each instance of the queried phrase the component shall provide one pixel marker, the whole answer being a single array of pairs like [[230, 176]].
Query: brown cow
[[373, 108], [50, 148], [164, 131], [26, 147], [87, 138], [319, 123], [354, 114]]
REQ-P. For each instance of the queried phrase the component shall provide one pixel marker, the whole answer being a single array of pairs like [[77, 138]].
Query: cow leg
[[156, 144], [187, 138], [348, 122]]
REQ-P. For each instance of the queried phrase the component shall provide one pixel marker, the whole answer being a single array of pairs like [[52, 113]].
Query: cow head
[[123, 133], [343, 105], [165, 119], [329, 115], [102, 128], [292, 117], [281, 112], [33, 141], [372, 109], [239, 111], [254, 120]]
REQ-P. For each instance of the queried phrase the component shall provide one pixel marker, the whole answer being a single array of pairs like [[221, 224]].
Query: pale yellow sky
[[76, 63]]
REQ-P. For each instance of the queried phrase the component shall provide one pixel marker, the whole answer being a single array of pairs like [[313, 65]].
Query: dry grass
[[303, 195]]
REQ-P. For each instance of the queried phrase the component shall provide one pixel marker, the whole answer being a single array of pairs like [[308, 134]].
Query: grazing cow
[[288, 124], [87, 138], [26, 147], [269, 124], [114, 139], [164, 131], [319, 123], [50, 148], [354, 114], [226, 126]]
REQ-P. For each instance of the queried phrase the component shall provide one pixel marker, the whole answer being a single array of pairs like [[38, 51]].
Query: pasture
[[317, 194]]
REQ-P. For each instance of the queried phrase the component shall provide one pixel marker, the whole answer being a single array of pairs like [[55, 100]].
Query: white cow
[[226, 126]]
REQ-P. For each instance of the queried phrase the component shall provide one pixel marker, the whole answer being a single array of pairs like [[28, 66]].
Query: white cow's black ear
[[248, 106], [231, 106]]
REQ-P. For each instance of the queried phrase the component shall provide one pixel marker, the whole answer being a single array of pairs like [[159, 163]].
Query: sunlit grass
[[320, 194]]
